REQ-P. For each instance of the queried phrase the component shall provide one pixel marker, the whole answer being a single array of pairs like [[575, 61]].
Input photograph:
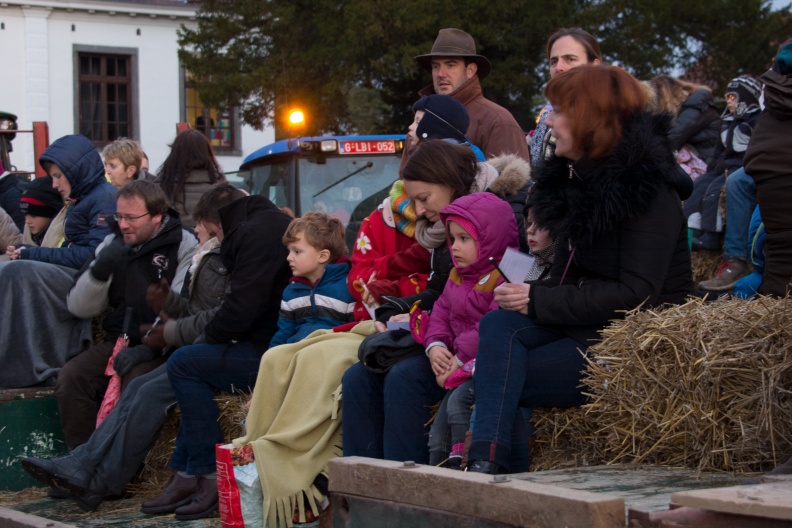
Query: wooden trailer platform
[[367, 493]]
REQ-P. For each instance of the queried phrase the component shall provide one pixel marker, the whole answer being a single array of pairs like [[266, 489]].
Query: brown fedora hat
[[452, 42]]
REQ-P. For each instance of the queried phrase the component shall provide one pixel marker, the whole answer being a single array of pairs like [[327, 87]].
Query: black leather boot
[[178, 492], [65, 473], [482, 466], [204, 502]]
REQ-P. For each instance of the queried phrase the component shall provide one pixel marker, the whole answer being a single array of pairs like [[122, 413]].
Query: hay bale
[[154, 473], [704, 265], [707, 386]]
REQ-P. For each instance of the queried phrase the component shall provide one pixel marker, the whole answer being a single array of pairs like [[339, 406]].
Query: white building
[[108, 68]]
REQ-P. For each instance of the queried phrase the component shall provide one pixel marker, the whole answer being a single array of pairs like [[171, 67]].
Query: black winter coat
[[252, 251], [697, 124], [156, 259], [10, 196], [621, 231]]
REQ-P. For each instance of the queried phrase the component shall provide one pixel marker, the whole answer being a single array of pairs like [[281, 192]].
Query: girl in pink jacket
[[478, 226]]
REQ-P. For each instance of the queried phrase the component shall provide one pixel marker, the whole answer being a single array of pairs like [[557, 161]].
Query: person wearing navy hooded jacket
[[37, 332], [79, 175]]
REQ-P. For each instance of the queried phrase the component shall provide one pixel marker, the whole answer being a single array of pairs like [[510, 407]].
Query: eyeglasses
[[128, 218], [730, 96]]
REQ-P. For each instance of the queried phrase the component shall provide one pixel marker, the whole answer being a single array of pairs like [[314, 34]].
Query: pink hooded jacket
[[468, 294]]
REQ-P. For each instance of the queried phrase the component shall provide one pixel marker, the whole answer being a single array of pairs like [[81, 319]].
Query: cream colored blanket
[[294, 423]]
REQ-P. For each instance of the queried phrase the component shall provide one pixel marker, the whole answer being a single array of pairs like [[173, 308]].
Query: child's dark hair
[[320, 230]]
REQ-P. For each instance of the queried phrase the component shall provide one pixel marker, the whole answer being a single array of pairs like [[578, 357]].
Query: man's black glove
[[127, 358], [108, 259]]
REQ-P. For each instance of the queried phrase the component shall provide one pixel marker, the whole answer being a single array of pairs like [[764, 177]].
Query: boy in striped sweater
[[317, 296]]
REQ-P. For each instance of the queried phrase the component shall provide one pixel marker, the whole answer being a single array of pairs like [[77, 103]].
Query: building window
[[219, 126], [105, 97]]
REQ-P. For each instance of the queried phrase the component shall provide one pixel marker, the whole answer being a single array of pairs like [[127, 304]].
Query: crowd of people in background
[[207, 288]]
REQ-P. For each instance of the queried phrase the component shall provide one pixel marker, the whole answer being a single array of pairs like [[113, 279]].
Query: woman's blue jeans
[[519, 363], [195, 371], [385, 415]]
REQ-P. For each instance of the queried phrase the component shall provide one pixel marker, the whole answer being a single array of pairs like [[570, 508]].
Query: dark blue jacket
[[92, 202], [10, 195], [307, 307]]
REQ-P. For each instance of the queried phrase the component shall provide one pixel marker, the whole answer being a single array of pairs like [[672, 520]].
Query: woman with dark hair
[[622, 244], [385, 414], [188, 172], [567, 48]]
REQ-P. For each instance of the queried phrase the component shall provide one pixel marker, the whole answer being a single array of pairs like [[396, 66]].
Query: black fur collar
[[583, 199]]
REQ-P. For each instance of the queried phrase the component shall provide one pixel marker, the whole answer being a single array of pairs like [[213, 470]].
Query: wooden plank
[[772, 500], [643, 488], [28, 393], [15, 519], [512, 502], [352, 511]]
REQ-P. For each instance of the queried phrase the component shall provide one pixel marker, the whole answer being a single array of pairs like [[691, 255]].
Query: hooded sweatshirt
[[92, 202]]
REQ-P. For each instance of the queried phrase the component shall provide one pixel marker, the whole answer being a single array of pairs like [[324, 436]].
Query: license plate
[[367, 147]]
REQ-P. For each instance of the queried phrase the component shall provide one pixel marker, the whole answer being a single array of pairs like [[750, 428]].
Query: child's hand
[[441, 360], [513, 296], [442, 378], [13, 253]]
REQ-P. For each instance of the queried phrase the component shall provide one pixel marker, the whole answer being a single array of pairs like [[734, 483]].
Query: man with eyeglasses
[[147, 244]]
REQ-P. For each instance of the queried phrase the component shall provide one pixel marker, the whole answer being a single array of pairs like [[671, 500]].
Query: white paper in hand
[[515, 265], [398, 325]]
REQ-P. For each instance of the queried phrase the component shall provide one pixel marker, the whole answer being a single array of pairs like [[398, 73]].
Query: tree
[[349, 65]]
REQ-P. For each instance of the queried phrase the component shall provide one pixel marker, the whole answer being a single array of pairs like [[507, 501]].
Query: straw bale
[[704, 264], [707, 386], [154, 474]]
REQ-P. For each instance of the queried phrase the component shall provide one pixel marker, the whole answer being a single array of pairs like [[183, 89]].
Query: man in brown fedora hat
[[457, 70]]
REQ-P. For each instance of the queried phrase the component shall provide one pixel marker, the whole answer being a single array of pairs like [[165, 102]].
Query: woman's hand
[[442, 378], [513, 296], [441, 360], [398, 318]]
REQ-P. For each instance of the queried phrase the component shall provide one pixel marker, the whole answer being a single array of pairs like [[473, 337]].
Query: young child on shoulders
[[478, 226], [42, 206], [317, 296]]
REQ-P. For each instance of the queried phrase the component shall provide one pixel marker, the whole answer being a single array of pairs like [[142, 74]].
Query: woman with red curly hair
[[613, 194]]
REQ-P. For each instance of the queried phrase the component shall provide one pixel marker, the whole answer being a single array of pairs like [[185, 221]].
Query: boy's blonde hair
[[320, 230], [126, 150]]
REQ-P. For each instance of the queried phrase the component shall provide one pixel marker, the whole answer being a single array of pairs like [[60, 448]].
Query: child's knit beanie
[[783, 61], [464, 223], [444, 118], [40, 199]]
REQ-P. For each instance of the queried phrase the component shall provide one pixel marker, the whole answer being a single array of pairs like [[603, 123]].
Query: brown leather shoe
[[178, 492], [203, 504]]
